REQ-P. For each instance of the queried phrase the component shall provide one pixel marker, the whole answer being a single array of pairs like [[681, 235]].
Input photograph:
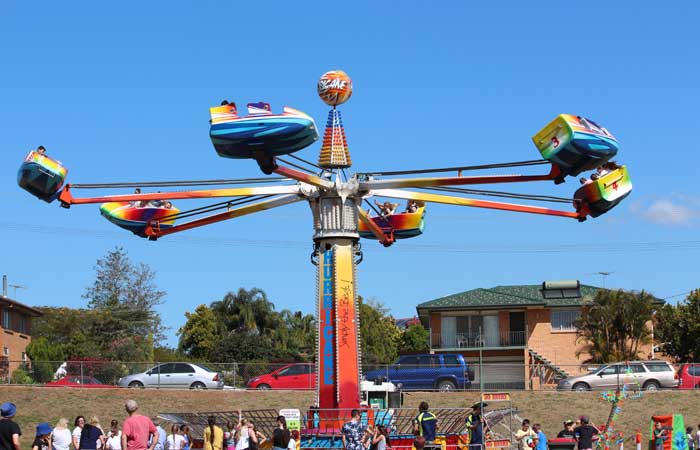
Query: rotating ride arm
[[66, 198], [304, 177], [461, 201], [153, 230], [384, 239], [371, 185]]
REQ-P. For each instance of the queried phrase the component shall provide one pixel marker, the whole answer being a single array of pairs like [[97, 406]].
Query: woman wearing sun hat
[[9, 430], [43, 437]]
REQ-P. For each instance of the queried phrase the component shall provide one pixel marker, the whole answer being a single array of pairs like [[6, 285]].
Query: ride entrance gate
[[502, 415], [569, 145]]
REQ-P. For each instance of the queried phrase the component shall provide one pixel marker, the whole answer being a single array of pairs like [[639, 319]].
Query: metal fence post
[[81, 370], [235, 369]]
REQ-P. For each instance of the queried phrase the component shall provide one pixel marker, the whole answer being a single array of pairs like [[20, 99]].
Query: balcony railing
[[479, 340]]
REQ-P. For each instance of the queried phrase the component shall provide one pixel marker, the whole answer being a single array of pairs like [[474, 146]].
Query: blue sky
[[121, 91]]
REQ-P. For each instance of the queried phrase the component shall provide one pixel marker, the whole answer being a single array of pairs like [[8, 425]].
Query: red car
[[78, 381], [291, 376], [689, 376]]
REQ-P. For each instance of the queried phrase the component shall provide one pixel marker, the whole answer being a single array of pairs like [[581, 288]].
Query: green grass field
[[548, 408]]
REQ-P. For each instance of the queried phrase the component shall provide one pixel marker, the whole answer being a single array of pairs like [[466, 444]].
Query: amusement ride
[[569, 146]]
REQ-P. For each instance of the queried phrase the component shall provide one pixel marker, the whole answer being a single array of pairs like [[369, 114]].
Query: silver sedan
[[175, 375]]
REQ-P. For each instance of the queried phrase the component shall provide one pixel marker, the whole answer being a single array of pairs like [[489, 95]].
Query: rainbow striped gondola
[[260, 132], [603, 194], [404, 225], [41, 176], [135, 218], [575, 144]]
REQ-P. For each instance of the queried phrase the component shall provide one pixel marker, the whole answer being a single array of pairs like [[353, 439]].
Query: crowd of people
[[137, 432], [528, 437]]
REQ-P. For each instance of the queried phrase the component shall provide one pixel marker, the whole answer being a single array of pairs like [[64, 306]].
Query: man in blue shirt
[[162, 435], [354, 433], [475, 427], [425, 424]]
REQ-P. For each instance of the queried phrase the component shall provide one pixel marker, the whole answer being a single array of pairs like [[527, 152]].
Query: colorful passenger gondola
[[575, 144], [136, 218], [260, 133], [403, 225], [600, 196], [41, 176]]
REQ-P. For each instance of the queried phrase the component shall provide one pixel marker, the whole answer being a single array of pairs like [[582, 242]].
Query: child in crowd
[[541, 443], [43, 435]]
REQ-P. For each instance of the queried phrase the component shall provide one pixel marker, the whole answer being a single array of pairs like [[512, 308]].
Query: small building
[[15, 333], [519, 337]]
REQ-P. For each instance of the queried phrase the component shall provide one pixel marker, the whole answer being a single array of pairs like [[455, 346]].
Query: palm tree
[[247, 310], [615, 326]]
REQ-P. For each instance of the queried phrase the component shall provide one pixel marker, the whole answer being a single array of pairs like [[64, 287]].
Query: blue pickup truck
[[444, 372]]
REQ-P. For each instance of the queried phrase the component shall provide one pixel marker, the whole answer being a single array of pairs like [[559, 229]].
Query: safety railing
[[477, 340]]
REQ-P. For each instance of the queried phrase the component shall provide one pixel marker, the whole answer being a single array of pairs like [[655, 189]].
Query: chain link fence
[[537, 375]]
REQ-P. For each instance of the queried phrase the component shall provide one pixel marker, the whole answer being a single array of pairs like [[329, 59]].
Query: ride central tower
[[336, 254]]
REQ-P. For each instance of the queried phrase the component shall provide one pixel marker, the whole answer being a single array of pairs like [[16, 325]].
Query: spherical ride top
[[335, 87]]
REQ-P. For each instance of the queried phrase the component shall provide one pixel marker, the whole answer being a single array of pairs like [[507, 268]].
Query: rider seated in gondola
[[387, 208]]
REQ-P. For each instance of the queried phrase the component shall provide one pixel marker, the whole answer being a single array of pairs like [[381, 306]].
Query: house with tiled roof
[[15, 333], [521, 336]]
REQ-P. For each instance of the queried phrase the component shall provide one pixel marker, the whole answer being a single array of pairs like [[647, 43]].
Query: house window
[[6, 352], [22, 324], [24, 357], [6, 319], [565, 320]]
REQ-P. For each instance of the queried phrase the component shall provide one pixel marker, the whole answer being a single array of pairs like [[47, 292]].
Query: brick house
[[15, 333], [524, 335]]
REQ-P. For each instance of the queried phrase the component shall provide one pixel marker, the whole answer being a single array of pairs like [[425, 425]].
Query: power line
[[677, 295], [403, 246]]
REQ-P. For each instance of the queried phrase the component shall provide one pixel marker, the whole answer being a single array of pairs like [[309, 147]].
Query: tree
[[128, 293], [120, 322], [76, 332], [200, 334], [168, 354], [244, 326], [678, 328], [414, 339], [615, 326], [243, 347], [379, 335], [45, 357], [246, 310], [295, 334]]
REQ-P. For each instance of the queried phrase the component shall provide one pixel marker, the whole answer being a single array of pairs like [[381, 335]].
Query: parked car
[[175, 375], [689, 376], [291, 376], [445, 372], [78, 381], [650, 375]]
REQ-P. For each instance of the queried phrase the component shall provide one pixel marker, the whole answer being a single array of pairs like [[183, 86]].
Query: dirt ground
[[547, 408]]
